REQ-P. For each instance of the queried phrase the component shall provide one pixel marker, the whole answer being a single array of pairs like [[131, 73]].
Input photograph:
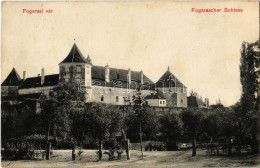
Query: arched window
[[102, 98]]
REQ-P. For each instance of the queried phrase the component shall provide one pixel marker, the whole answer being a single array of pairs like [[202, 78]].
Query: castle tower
[[172, 89], [11, 83], [76, 68]]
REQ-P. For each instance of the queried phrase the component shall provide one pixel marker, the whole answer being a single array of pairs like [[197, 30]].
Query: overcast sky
[[202, 50]]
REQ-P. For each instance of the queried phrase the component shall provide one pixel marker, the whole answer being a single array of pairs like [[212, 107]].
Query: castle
[[100, 83]]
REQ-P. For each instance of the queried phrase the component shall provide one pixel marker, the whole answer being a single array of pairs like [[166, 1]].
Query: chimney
[[129, 76], [107, 72], [42, 76], [142, 77], [24, 73]]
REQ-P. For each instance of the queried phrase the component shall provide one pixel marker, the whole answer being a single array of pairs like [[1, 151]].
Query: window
[[160, 102], [117, 76], [78, 68], [176, 91], [184, 90], [102, 98], [117, 98]]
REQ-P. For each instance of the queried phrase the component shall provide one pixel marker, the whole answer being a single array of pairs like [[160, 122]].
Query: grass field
[[62, 158]]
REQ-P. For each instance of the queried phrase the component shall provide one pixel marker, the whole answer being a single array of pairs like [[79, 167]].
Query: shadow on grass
[[235, 160]]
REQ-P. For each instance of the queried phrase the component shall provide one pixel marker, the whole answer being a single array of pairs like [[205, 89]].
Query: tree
[[57, 108], [193, 93], [143, 116], [210, 125], [171, 129], [249, 77], [192, 125], [18, 120], [150, 125], [104, 121], [227, 123]]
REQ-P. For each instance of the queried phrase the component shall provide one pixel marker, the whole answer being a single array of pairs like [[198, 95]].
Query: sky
[[201, 49]]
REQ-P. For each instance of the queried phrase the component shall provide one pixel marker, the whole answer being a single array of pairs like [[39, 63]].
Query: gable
[[169, 80], [13, 79]]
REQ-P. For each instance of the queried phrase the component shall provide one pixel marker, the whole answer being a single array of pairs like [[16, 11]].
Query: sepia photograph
[[130, 84]]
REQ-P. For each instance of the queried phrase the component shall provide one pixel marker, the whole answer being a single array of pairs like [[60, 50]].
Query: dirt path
[[62, 158]]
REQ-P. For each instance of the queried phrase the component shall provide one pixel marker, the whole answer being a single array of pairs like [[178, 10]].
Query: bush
[[22, 150], [172, 146], [27, 147], [155, 146]]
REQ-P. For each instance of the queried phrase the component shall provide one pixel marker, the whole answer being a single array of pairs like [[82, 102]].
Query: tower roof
[[168, 79], [13, 79], [76, 56]]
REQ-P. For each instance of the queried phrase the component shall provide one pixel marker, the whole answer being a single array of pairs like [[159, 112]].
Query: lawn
[[62, 158]]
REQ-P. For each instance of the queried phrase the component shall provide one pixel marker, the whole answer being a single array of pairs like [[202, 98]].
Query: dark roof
[[50, 80], [154, 96], [168, 79], [98, 72], [98, 78], [76, 56], [13, 79]]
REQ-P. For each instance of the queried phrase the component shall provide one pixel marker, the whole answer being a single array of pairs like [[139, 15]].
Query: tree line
[[66, 118]]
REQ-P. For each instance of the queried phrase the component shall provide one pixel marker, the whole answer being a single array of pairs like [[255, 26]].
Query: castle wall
[[181, 97], [112, 95], [175, 97], [45, 90]]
